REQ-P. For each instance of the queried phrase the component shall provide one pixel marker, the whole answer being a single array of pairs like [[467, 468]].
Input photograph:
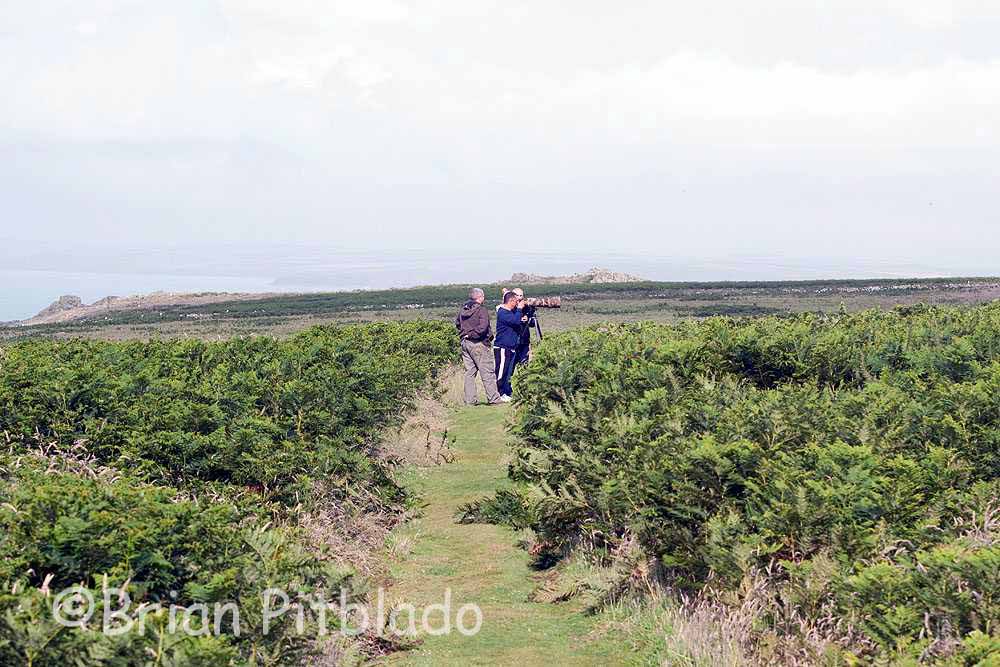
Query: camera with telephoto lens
[[542, 302]]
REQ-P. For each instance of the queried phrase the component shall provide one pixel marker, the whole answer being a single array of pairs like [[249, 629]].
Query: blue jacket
[[509, 327]]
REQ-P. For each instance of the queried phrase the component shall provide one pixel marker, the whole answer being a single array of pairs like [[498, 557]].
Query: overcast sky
[[833, 128]]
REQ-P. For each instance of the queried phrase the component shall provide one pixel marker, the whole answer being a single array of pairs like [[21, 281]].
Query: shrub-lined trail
[[805, 490], [482, 564]]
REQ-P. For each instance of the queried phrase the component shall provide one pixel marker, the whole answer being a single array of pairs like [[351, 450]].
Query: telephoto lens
[[543, 302]]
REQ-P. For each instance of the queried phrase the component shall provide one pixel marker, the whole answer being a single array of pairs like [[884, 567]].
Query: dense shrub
[[728, 448], [60, 529], [177, 468], [252, 412]]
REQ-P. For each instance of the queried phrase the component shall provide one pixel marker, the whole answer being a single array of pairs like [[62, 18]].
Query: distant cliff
[[594, 275], [68, 308]]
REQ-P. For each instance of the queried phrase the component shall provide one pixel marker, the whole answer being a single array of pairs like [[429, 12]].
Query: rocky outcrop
[[107, 302], [595, 275], [60, 305]]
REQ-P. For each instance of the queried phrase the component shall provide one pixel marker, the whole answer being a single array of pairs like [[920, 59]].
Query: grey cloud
[[689, 127]]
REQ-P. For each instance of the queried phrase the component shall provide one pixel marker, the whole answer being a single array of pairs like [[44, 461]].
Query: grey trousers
[[478, 358]]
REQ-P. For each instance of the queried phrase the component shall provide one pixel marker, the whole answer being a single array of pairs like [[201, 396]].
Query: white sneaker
[[505, 399]]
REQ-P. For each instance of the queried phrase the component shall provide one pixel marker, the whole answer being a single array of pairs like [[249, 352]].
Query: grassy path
[[482, 564]]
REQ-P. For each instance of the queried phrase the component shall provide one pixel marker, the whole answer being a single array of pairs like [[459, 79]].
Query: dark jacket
[[473, 322], [509, 328], [525, 341], [526, 327]]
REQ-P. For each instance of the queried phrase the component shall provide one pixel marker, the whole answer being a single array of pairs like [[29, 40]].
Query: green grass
[[483, 564]]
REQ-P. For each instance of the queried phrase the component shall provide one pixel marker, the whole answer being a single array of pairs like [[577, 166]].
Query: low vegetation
[[837, 475], [630, 299], [251, 414], [788, 489], [190, 472]]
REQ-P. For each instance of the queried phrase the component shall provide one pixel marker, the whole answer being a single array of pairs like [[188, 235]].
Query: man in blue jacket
[[510, 325]]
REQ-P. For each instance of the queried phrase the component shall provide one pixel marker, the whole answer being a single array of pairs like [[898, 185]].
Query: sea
[[34, 275]]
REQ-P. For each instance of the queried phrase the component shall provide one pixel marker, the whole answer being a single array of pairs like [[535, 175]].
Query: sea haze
[[33, 275]]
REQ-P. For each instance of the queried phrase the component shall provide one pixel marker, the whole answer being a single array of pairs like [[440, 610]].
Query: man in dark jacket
[[510, 325], [473, 324]]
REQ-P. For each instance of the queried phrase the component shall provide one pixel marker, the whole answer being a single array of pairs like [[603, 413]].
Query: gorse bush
[[855, 458], [176, 469]]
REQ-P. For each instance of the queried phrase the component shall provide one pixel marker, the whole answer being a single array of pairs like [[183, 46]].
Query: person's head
[[520, 294], [510, 301], [477, 295]]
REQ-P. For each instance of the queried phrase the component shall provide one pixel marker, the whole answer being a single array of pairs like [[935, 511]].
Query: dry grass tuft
[[707, 630], [451, 382], [755, 625], [74, 459], [423, 439], [981, 528], [354, 535], [599, 577]]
